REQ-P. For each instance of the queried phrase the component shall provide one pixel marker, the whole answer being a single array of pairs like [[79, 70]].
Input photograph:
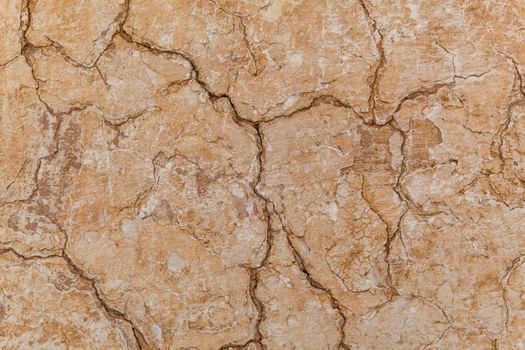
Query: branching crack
[[314, 283]]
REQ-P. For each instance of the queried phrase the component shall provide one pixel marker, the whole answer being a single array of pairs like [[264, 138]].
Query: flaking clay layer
[[262, 174]]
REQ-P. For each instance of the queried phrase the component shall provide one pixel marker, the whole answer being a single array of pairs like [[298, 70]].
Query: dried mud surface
[[262, 174]]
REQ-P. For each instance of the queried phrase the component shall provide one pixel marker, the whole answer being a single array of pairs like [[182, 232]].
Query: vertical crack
[[314, 283], [297, 257], [254, 271], [244, 36], [517, 262], [374, 79], [498, 137]]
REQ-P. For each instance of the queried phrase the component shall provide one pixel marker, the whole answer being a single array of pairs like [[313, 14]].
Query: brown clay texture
[[262, 174]]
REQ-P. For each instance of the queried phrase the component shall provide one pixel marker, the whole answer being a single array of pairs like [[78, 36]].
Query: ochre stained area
[[262, 174]]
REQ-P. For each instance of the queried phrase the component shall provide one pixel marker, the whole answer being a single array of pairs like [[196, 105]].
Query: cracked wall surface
[[262, 174]]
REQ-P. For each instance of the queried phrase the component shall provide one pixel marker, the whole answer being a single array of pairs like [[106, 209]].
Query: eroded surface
[[266, 174]]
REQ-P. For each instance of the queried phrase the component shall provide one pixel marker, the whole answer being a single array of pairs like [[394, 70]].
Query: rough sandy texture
[[262, 174]]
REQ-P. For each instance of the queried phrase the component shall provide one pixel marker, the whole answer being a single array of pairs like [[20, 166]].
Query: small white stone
[[175, 263], [236, 190], [290, 101], [91, 236], [157, 332], [286, 281], [295, 59], [152, 204], [128, 227], [332, 211]]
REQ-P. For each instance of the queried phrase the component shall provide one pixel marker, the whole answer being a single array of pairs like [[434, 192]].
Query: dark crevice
[[113, 313], [374, 79], [110, 312], [252, 128], [315, 284], [297, 257], [26, 52]]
